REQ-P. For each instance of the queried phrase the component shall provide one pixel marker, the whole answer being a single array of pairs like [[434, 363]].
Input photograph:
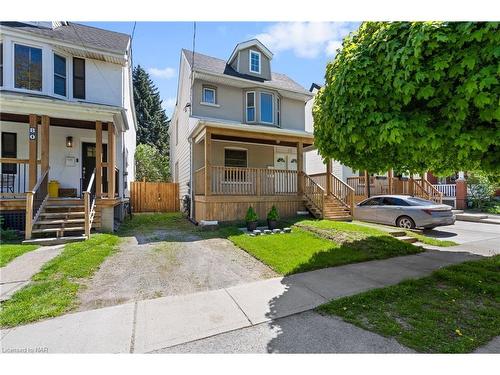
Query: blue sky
[[301, 49]]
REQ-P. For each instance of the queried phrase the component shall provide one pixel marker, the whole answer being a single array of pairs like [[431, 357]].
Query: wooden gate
[[154, 196]]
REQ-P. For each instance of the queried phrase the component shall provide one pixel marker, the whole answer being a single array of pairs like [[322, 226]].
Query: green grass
[[9, 252], [319, 244], [430, 241], [54, 289], [455, 310]]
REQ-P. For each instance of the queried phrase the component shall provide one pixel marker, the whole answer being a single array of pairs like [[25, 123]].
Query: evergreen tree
[[152, 121]]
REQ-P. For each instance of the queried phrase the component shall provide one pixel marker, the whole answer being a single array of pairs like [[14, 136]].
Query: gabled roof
[[250, 43], [217, 66], [80, 35]]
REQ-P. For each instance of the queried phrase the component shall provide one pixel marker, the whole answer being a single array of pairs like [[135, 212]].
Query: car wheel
[[405, 222]]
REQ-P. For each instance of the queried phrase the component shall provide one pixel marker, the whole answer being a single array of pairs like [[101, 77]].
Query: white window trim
[[239, 149], [254, 106], [250, 61], [54, 53], [214, 104], [13, 67], [260, 107]]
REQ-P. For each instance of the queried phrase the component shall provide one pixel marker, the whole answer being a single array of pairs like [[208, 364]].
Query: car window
[[371, 202], [414, 201], [391, 201]]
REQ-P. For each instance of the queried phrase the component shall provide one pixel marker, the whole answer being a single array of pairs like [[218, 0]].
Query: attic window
[[254, 62]]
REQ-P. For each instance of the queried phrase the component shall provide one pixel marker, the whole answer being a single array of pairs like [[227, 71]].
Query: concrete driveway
[[478, 238]]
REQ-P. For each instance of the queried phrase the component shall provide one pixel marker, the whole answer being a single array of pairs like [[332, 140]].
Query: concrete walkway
[[155, 324], [19, 271]]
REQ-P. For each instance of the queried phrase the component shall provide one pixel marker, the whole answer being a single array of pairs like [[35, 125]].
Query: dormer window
[[209, 95], [254, 62]]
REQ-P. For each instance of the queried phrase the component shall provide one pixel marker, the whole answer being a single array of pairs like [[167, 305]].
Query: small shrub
[[273, 214], [186, 205], [7, 235], [251, 215]]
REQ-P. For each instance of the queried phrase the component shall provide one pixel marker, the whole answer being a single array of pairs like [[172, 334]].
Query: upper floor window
[[250, 106], [255, 62], [1, 64], [59, 75], [209, 95], [266, 108], [27, 68], [78, 78]]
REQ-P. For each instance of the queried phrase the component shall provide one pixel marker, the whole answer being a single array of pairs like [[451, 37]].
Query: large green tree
[[152, 121], [150, 164], [414, 97]]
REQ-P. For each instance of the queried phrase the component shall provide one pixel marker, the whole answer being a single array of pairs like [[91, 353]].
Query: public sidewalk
[[19, 271], [160, 323]]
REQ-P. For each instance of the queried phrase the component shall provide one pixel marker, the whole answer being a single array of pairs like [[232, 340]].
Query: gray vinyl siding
[[244, 68], [180, 153]]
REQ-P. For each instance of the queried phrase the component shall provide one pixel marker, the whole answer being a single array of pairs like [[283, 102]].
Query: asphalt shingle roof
[[219, 66], [89, 37]]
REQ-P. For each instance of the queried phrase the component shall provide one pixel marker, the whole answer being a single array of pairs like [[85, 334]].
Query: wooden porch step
[[58, 229], [66, 207], [60, 221], [54, 240], [59, 214]]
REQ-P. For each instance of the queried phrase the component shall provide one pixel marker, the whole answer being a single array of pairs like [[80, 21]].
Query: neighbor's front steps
[[154, 324]]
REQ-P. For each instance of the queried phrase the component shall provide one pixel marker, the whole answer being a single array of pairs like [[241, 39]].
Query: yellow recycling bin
[[53, 189]]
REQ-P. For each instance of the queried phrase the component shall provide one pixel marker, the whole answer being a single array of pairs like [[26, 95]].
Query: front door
[[89, 163]]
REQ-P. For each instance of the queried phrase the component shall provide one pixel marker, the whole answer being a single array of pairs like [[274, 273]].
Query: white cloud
[[165, 73], [332, 47], [168, 105], [305, 39]]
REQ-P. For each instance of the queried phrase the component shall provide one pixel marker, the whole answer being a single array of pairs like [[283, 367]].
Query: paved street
[[166, 322], [479, 238]]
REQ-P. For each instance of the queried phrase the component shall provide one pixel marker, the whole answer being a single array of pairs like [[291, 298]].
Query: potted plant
[[251, 219], [272, 218]]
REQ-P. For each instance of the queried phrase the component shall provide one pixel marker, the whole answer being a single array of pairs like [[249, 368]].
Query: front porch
[[78, 153], [236, 169]]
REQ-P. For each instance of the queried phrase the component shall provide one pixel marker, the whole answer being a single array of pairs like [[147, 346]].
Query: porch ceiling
[[54, 121], [252, 134]]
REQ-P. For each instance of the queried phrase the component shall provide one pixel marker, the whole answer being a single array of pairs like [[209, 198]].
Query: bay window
[[27, 68], [266, 108], [250, 110], [59, 75]]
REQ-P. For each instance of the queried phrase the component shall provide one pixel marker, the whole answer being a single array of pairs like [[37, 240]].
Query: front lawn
[[53, 290], [455, 310], [9, 252], [429, 240], [319, 244]]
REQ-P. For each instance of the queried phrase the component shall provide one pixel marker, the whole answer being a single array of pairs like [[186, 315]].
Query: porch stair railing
[[342, 191], [433, 194], [314, 196], [35, 201], [89, 201]]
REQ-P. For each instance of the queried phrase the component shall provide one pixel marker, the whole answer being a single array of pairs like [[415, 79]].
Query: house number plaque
[[32, 134]]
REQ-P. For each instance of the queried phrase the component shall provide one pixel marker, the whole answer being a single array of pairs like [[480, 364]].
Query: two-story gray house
[[237, 137]]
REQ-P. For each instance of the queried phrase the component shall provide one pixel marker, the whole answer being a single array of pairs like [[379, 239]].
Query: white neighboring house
[[66, 115], [313, 161]]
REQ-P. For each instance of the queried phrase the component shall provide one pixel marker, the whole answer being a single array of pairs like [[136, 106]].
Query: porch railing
[[35, 200], [89, 201], [448, 190], [199, 181], [250, 181], [314, 193], [14, 177], [432, 193], [342, 191]]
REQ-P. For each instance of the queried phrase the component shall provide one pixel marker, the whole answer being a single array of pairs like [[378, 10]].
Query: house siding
[[244, 68]]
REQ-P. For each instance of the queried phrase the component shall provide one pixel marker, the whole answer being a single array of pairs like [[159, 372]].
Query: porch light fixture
[[69, 142]]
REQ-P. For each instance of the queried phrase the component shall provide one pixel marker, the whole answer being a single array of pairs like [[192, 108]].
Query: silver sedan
[[404, 211]]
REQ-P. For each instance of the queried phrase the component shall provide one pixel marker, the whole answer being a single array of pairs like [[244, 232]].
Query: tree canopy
[[150, 164], [413, 97], [152, 121]]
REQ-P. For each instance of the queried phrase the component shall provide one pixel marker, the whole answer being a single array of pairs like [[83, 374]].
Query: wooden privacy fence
[[154, 196]]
